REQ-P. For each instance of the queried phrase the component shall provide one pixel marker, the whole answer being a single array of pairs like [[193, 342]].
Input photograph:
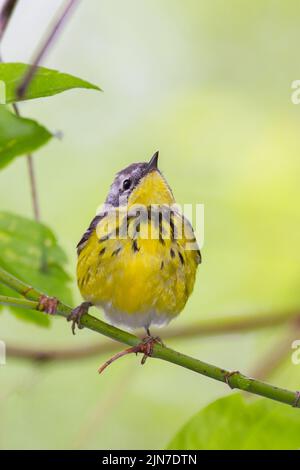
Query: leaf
[[29, 250], [233, 423], [46, 82], [19, 136]]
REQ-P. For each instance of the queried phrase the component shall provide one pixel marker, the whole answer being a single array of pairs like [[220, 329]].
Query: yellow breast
[[138, 281]]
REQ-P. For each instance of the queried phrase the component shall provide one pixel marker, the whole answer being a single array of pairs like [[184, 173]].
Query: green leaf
[[29, 250], [46, 82], [19, 136], [233, 423]]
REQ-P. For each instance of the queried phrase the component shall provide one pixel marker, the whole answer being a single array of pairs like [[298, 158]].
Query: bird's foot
[[76, 314], [228, 375], [145, 347], [48, 304], [149, 341]]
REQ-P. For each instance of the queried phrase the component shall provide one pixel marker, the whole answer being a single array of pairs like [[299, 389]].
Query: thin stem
[[25, 83], [5, 15], [16, 302], [234, 380], [45, 46], [33, 187], [32, 179], [273, 359], [60, 354], [132, 349], [237, 324]]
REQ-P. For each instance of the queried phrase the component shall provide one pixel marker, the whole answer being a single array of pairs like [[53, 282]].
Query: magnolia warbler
[[138, 258]]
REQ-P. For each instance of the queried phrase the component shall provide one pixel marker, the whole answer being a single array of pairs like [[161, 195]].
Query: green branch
[[204, 328], [229, 325], [233, 379]]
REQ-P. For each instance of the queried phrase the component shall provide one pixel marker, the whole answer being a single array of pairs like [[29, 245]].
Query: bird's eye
[[126, 184]]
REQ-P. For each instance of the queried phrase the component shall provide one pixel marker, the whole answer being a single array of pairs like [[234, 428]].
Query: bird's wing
[[89, 231]]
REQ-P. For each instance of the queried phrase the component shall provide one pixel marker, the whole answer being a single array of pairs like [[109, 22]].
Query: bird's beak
[[152, 165]]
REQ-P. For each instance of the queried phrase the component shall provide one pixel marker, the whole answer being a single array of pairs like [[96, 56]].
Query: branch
[[277, 354], [60, 354], [5, 14], [233, 379], [22, 88], [32, 179], [229, 325]]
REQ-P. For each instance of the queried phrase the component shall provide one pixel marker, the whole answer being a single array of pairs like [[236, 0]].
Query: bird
[[138, 259]]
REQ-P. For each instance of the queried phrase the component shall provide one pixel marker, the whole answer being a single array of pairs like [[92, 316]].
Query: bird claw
[[147, 345], [48, 304], [76, 314]]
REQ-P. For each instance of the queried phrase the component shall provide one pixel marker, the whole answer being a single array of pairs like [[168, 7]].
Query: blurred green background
[[209, 85]]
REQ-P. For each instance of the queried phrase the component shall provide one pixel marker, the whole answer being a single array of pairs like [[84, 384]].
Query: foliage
[[211, 89], [46, 82], [233, 423], [19, 136], [30, 251]]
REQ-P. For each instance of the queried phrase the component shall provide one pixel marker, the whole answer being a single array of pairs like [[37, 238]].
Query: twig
[[33, 187], [229, 325], [234, 380], [5, 15], [16, 302], [278, 353], [32, 179], [22, 88], [60, 354]]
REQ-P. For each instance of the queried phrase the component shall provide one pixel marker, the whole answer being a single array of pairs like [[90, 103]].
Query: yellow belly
[[137, 282]]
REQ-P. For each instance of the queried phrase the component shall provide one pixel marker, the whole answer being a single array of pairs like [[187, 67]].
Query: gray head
[[127, 180]]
